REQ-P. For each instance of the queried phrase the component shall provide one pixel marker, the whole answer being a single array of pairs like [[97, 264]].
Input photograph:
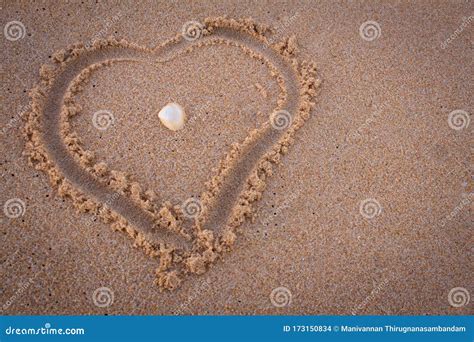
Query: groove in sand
[[241, 177]]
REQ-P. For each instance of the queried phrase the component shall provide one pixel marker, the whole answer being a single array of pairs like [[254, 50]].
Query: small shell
[[172, 116]]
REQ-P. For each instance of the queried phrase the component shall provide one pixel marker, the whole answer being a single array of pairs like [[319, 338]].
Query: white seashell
[[172, 116]]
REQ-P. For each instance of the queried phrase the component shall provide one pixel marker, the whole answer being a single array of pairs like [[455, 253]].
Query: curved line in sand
[[244, 167], [241, 176]]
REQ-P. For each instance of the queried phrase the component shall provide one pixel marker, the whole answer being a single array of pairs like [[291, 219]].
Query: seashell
[[172, 116]]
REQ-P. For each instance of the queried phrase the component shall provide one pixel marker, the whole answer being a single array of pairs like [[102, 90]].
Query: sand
[[324, 167]]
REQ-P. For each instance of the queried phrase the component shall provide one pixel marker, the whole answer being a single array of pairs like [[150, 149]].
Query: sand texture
[[325, 165]]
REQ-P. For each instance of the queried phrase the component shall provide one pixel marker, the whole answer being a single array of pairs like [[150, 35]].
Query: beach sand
[[358, 201]]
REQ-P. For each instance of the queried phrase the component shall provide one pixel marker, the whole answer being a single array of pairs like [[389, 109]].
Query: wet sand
[[361, 203]]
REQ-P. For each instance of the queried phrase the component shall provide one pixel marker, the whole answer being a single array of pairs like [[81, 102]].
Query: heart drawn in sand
[[160, 229]]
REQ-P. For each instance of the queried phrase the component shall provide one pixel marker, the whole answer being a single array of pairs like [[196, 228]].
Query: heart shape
[[54, 148]]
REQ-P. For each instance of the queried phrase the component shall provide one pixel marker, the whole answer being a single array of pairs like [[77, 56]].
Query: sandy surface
[[381, 133]]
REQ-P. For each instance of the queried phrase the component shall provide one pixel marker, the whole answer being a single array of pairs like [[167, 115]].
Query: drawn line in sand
[[183, 243]]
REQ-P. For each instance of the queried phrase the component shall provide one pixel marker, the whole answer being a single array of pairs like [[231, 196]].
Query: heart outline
[[206, 248]]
